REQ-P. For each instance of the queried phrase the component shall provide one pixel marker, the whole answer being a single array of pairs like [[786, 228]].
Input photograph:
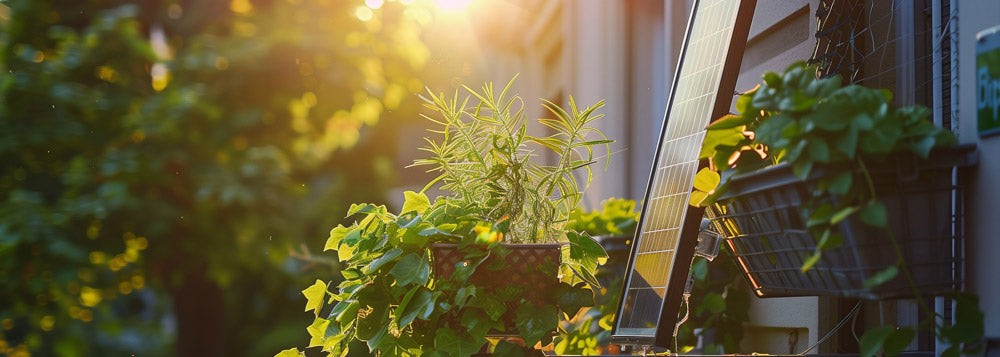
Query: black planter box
[[760, 220]]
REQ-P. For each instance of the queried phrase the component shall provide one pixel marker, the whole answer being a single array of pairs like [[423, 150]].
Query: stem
[[895, 247]]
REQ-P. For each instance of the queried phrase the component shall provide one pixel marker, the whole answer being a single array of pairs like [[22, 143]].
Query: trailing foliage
[[830, 133], [589, 333], [810, 122]]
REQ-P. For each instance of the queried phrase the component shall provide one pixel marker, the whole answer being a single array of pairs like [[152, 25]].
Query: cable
[[840, 324], [687, 313]]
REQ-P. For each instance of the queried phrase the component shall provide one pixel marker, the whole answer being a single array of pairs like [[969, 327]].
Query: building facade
[[626, 52]]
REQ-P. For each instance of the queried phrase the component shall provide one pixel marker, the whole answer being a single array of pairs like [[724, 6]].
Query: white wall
[[780, 34], [983, 190]]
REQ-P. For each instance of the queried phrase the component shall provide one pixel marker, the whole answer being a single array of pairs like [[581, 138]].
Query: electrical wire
[[853, 312], [687, 313]]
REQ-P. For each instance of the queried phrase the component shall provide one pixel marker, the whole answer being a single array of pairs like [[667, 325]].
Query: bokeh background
[[169, 165]]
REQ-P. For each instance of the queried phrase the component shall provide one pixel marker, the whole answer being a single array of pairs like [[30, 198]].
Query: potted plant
[[490, 257], [812, 179]]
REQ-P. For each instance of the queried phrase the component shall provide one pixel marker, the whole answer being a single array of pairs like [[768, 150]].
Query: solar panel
[[664, 244]]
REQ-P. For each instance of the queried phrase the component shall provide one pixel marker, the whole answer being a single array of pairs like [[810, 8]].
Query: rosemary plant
[[491, 167]]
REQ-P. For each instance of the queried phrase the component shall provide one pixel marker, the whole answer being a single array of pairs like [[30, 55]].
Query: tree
[[182, 147]]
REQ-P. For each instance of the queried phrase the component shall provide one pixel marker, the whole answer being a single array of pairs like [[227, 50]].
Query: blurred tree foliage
[[163, 157]]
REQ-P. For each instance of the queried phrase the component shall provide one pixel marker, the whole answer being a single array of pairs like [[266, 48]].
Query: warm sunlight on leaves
[[314, 296], [291, 352]]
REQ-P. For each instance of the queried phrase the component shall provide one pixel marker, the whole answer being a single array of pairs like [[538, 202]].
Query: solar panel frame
[[687, 217]]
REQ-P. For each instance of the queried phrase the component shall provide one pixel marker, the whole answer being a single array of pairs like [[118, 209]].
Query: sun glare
[[452, 5]]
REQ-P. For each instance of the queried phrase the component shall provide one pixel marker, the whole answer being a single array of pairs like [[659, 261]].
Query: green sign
[[988, 81]]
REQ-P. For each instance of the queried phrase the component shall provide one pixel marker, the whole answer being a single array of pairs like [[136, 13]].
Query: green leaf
[[360, 208], [382, 341], [291, 352], [827, 117], [875, 214], [336, 235], [345, 252], [415, 202], [863, 122], [476, 323], [464, 270], [408, 219], [586, 273], [317, 331], [770, 130], [820, 216], [924, 146], [348, 312], [698, 198], [508, 349], [848, 143], [731, 121], [706, 180], [871, 342], [582, 246], [843, 214], [714, 303], [772, 79], [315, 295], [463, 294], [797, 102], [385, 258], [413, 236], [573, 298], [802, 168], [456, 344], [882, 277], [534, 323], [493, 307], [841, 183], [744, 102], [951, 352], [352, 238], [818, 150], [373, 295], [969, 320], [411, 269], [418, 303], [830, 240], [553, 144], [898, 340]]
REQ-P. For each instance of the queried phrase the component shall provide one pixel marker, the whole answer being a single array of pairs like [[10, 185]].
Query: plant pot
[[759, 217], [531, 268]]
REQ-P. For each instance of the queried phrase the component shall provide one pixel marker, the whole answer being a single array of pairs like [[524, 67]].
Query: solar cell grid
[[693, 98]]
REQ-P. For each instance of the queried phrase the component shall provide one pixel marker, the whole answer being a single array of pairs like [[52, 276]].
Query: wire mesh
[[767, 235], [901, 45]]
